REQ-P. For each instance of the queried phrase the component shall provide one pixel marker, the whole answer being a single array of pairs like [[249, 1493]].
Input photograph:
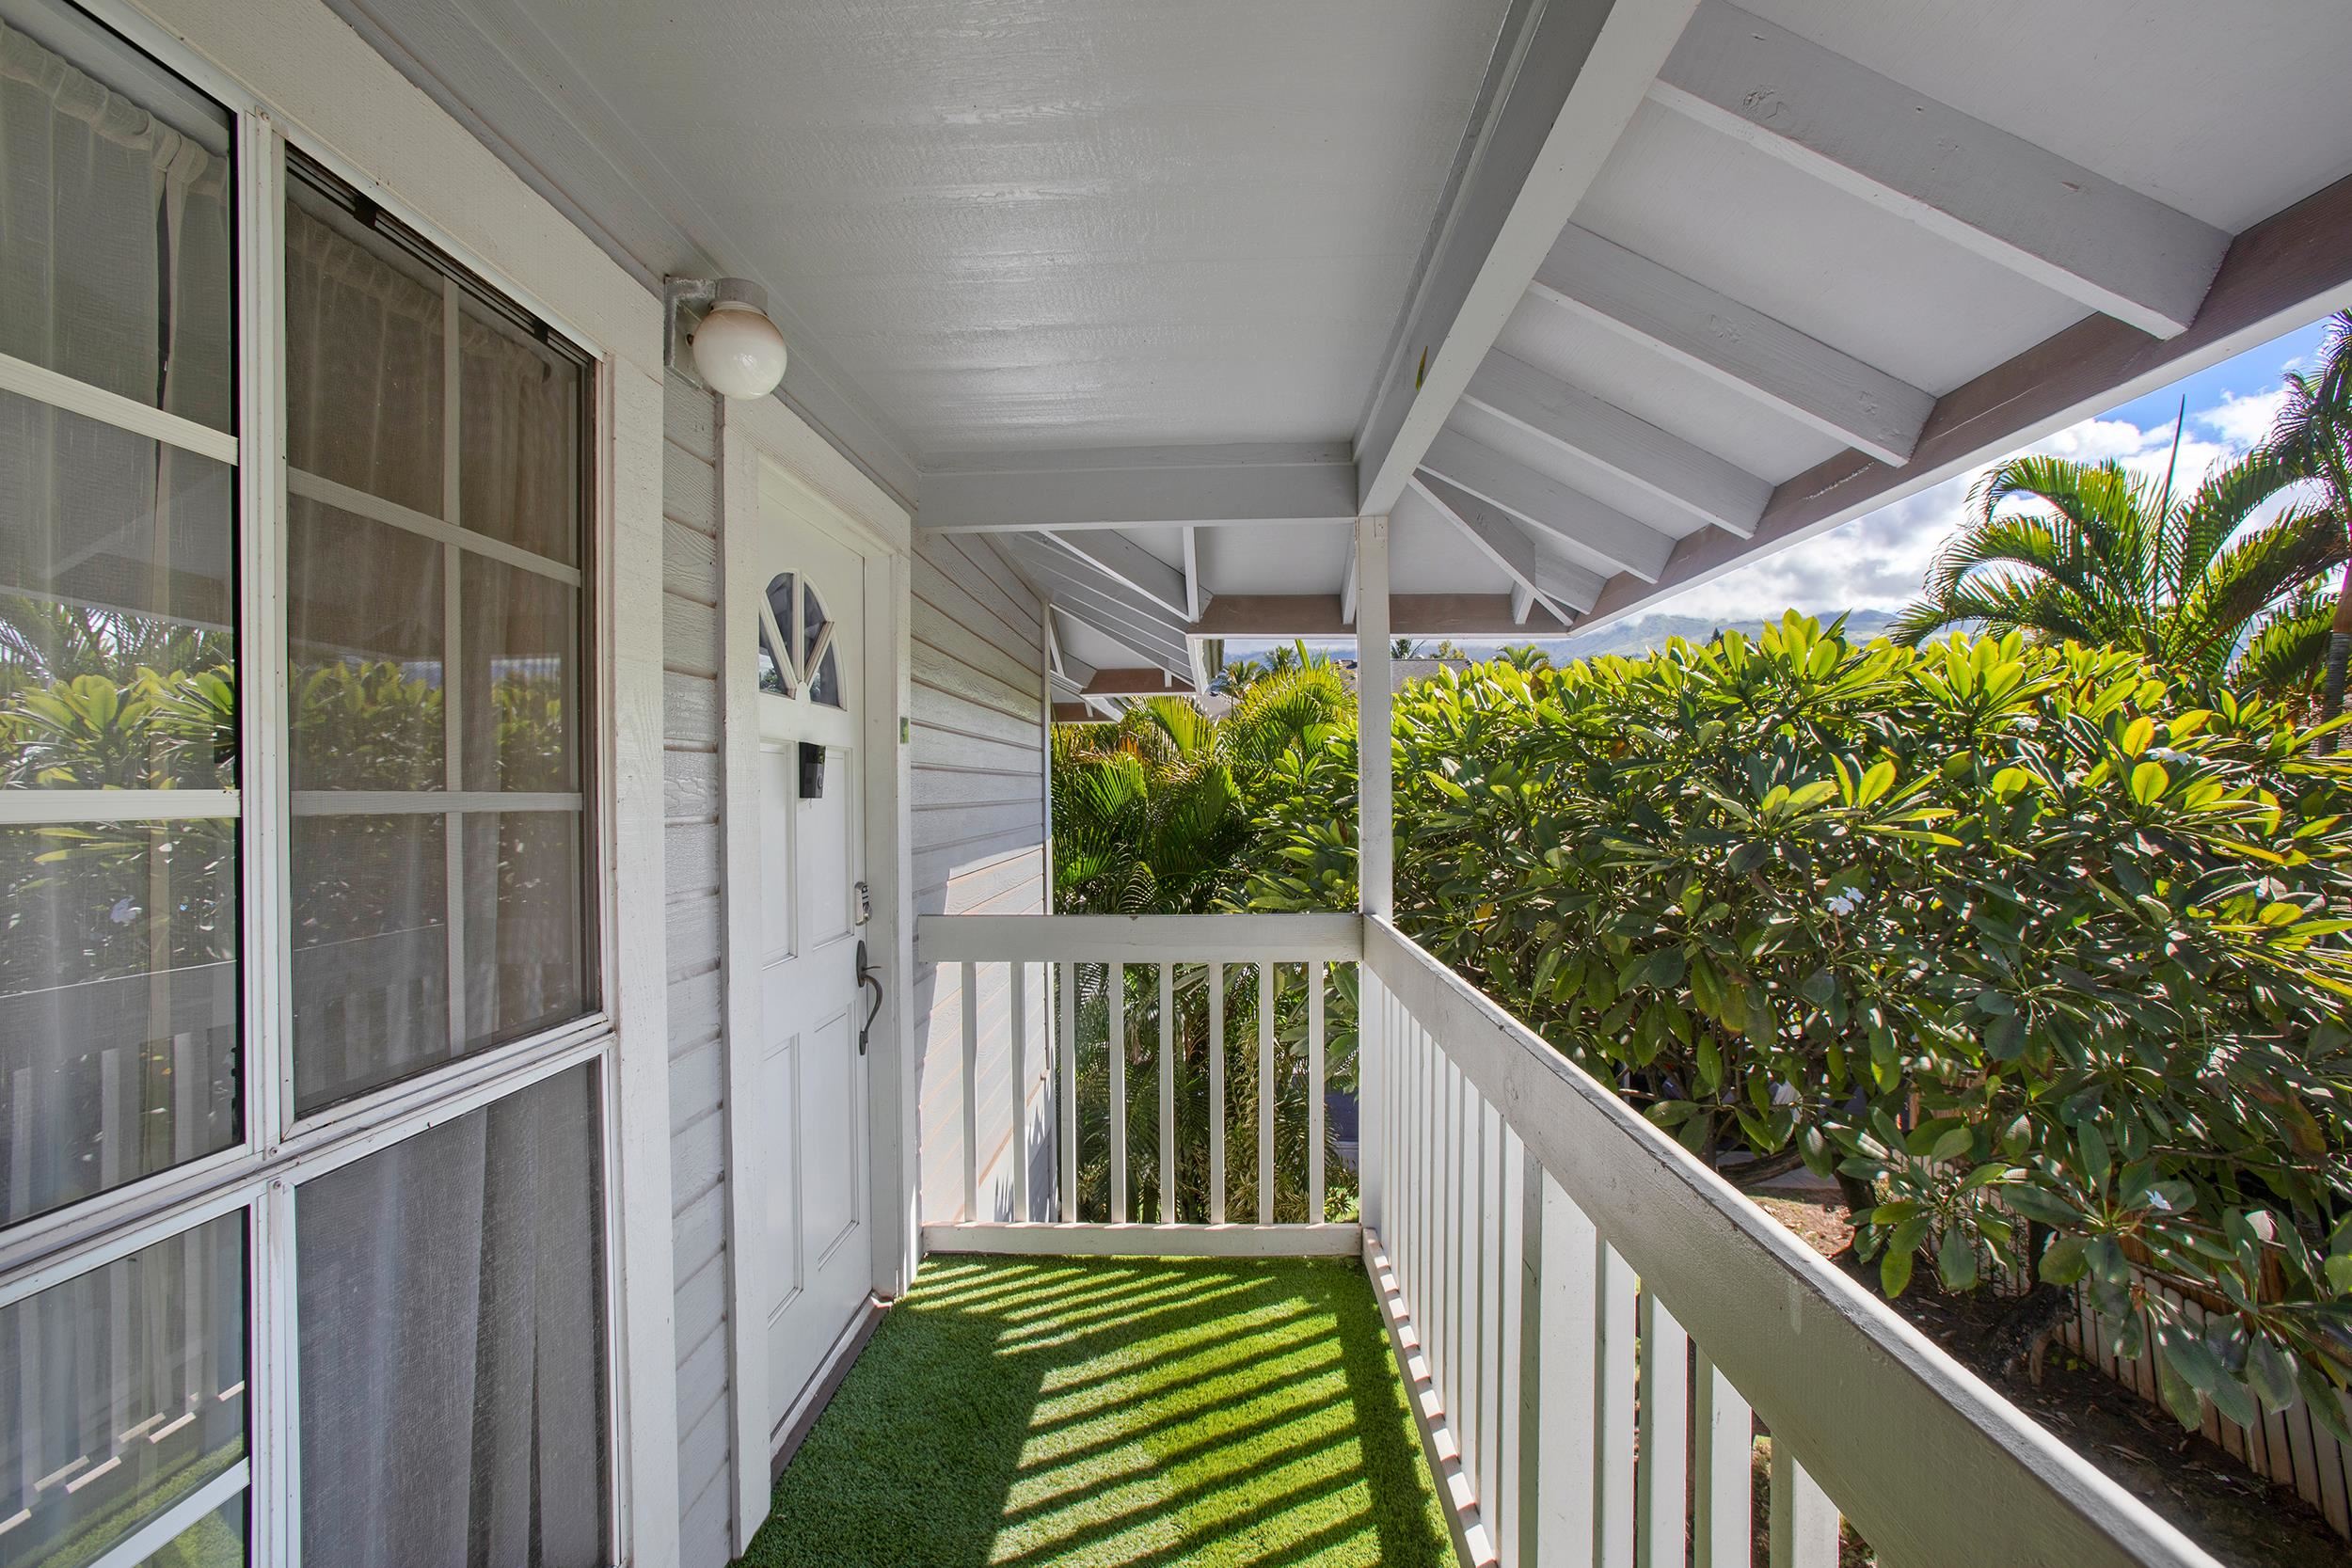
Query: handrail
[[1137, 938], [1931, 1464]]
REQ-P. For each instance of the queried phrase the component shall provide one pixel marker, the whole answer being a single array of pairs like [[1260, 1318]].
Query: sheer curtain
[[118, 992], [453, 1392]]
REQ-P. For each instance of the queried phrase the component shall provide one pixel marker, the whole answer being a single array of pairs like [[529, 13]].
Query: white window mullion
[[261, 685], [453, 667], [264, 717], [274, 1526]]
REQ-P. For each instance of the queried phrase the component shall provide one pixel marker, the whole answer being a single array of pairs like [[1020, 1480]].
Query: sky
[[1877, 562]]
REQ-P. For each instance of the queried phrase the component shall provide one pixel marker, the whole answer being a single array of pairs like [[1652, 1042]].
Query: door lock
[[868, 979]]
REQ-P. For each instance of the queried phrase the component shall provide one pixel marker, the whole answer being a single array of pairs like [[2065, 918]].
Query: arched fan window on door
[[792, 619]]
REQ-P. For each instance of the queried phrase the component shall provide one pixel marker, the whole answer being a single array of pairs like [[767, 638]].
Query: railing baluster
[[1265, 1094], [1017, 1050], [1314, 1092], [1216, 1094], [1492, 1303], [971, 1091], [1510, 1342], [1723, 1524], [1168, 1094], [1664, 1461], [1559, 1340], [1069, 1047], [1804, 1521], [1613, 1444], [1115, 979]]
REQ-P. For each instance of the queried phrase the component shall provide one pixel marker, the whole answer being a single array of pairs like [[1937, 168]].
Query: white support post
[[1069, 1048], [1664, 1448], [1168, 1094], [1558, 1372], [1804, 1521], [1615, 1398], [971, 1011], [1722, 1520], [1115, 982], [1216, 1094], [1374, 809], [1018, 1001], [1314, 1092], [1265, 1094]]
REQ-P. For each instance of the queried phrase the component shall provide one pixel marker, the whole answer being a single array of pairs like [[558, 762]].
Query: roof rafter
[[1684, 476], [1496, 537], [1727, 343], [1567, 80], [1995, 194], [1082, 591], [1126, 563], [1587, 527]]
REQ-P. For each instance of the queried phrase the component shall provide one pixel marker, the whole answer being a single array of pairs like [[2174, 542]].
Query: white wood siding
[[692, 860], [977, 806]]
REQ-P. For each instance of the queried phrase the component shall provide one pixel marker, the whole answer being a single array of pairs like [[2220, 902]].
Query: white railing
[[1223, 974], [1587, 1316]]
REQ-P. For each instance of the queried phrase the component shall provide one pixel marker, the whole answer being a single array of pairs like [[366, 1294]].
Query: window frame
[[278, 1152]]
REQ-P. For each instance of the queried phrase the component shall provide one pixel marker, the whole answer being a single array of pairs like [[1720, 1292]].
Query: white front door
[[811, 1108]]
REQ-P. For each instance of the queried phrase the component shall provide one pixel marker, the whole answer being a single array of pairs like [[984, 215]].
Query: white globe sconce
[[733, 348]]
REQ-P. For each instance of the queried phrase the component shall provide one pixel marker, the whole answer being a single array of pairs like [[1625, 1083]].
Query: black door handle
[[867, 978]]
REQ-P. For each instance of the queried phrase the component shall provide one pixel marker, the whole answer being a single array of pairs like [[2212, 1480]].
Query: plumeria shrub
[[2044, 957]]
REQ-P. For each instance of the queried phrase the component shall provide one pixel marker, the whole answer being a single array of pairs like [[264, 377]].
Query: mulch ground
[[2209, 1496]]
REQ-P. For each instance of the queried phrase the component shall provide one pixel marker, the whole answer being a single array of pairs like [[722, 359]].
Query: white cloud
[[2241, 422]]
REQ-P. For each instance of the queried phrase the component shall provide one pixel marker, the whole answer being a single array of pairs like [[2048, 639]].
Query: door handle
[[868, 979]]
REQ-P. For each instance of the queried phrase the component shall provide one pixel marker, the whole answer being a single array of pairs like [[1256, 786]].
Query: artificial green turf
[[1062, 1410]]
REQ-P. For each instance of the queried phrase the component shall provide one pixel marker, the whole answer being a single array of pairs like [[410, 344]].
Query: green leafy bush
[[1995, 932]]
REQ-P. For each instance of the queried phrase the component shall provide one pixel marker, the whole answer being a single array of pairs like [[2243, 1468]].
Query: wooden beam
[[1130, 565], [1566, 78], [1130, 486], [1686, 477], [1728, 343], [1994, 194], [2283, 273], [1317, 615], [1136, 682], [1586, 524], [1195, 594], [1489, 532], [1078, 713]]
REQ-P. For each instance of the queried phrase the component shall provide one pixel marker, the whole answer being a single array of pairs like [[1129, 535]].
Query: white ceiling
[[1018, 223]]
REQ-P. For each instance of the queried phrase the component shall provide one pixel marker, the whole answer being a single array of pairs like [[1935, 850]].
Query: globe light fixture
[[736, 350]]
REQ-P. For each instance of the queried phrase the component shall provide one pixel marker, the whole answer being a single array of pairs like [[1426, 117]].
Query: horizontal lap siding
[[691, 854], [978, 816]]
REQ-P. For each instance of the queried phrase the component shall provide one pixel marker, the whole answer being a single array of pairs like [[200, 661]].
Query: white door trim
[[760, 444]]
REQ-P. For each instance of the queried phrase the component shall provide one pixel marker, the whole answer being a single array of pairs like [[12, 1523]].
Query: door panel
[[809, 590]]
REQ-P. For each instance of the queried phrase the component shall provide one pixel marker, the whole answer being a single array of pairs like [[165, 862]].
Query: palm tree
[[2095, 554], [2313, 439]]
